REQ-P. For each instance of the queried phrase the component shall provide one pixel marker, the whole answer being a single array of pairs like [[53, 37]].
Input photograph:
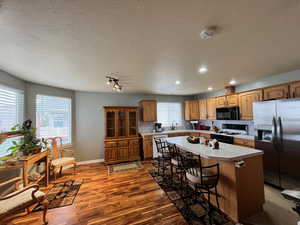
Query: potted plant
[[28, 144]]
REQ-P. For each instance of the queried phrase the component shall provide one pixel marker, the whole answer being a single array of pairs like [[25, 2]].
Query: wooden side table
[[30, 160]]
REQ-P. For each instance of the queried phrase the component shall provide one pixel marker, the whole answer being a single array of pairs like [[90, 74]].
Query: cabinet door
[[132, 123], [187, 111], [202, 109], [232, 100], [134, 149], [295, 90], [194, 110], [246, 100], [244, 142], [111, 125], [211, 108], [221, 102], [122, 123], [149, 110], [276, 92], [123, 154], [111, 154], [148, 149]]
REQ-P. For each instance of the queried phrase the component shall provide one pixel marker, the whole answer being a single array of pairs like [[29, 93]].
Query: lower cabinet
[[120, 150], [148, 147]]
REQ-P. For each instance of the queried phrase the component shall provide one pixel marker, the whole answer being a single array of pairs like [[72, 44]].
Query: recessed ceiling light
[[210, 88], [177, 82], [232, 82], [202, 69]]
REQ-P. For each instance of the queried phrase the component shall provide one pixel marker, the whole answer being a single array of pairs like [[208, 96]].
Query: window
[[11, 112], [53, 117], [168, 113]]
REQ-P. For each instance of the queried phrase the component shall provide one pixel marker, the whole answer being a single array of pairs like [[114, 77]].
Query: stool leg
[[217, 197], [209, 208]]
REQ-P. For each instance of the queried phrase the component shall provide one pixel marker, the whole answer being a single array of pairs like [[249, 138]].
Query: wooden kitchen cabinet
[[206, 136], [276, 92], [148, 147], [227, 101], [211, 108], [246, 100], [232, 100], [194, 110], [187, 110], [202, 109], [179, 134], [149, 110], [295, 89]]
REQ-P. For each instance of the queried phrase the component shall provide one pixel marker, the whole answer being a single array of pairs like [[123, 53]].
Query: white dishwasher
[[162, 136]]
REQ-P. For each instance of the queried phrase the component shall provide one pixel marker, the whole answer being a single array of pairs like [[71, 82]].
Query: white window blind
[[11, 113], [54, 117], [11, 108], [169, 112]]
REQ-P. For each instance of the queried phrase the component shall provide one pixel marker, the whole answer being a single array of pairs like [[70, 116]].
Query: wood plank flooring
[[131, 197]]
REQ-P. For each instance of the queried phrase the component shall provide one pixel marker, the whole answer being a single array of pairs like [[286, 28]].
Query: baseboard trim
[[84, 163]]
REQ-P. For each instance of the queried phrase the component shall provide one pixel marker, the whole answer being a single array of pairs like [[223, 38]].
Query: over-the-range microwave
[[228, 113]]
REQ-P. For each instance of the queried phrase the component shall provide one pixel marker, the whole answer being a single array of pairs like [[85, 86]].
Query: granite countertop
[[249, 137], [226, 152]]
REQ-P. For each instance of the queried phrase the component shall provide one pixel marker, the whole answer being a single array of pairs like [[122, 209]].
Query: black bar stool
[[203, 180], [177, 164], [164, 158]]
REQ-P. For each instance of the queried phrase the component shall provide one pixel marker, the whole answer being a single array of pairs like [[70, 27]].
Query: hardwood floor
[[131, 197]]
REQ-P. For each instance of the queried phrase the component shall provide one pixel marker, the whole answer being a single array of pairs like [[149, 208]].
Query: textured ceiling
[[150, 43]]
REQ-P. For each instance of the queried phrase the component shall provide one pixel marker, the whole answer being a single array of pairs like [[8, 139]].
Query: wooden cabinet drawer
[[110, 144], [194, 134], [123, 143], [244, 142]]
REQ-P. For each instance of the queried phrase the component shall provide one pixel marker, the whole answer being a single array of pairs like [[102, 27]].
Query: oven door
[[231, 113]]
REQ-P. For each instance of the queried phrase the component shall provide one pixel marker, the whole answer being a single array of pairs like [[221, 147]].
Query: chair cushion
[[63, 161], [23, 198], [206, 180]]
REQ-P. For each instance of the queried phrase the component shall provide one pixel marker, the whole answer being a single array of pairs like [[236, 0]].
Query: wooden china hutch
[[121, 141]]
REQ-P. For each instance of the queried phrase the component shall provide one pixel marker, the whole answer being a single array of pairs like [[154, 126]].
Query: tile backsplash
[[147, 127], [218, 123]]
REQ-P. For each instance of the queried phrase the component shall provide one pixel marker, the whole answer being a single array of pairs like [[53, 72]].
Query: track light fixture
[[114, 82]]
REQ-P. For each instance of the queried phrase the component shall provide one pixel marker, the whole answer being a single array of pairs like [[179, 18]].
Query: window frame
[[180, 122], [65, 145]]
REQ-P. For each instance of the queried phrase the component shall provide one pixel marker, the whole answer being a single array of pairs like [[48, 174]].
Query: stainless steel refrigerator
[[277, 128]]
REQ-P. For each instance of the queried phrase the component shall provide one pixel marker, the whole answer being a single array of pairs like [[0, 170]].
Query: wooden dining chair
[[58, 158], [21, 199]]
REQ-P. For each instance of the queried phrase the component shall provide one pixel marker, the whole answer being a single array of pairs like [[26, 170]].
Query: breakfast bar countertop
[[226, 152], [242, 136]]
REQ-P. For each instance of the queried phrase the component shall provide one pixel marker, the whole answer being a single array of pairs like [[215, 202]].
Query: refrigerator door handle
[[274, 131], [279, 132]]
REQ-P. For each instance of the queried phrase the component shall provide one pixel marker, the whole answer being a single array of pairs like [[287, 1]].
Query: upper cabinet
[[211, 108], [121, 122], [202, 109], [187, 111], [149, 110], [246, 100], [295, 89], [194, 110], [276, 92], [227, 101], [191, 110]]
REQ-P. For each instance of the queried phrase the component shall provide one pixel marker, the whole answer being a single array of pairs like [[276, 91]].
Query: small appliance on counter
[[214, 144], [158, 127]]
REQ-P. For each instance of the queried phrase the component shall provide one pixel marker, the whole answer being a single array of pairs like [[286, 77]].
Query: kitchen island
[[241, 183]]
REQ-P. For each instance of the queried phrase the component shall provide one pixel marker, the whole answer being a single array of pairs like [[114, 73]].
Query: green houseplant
[[29, 144]]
